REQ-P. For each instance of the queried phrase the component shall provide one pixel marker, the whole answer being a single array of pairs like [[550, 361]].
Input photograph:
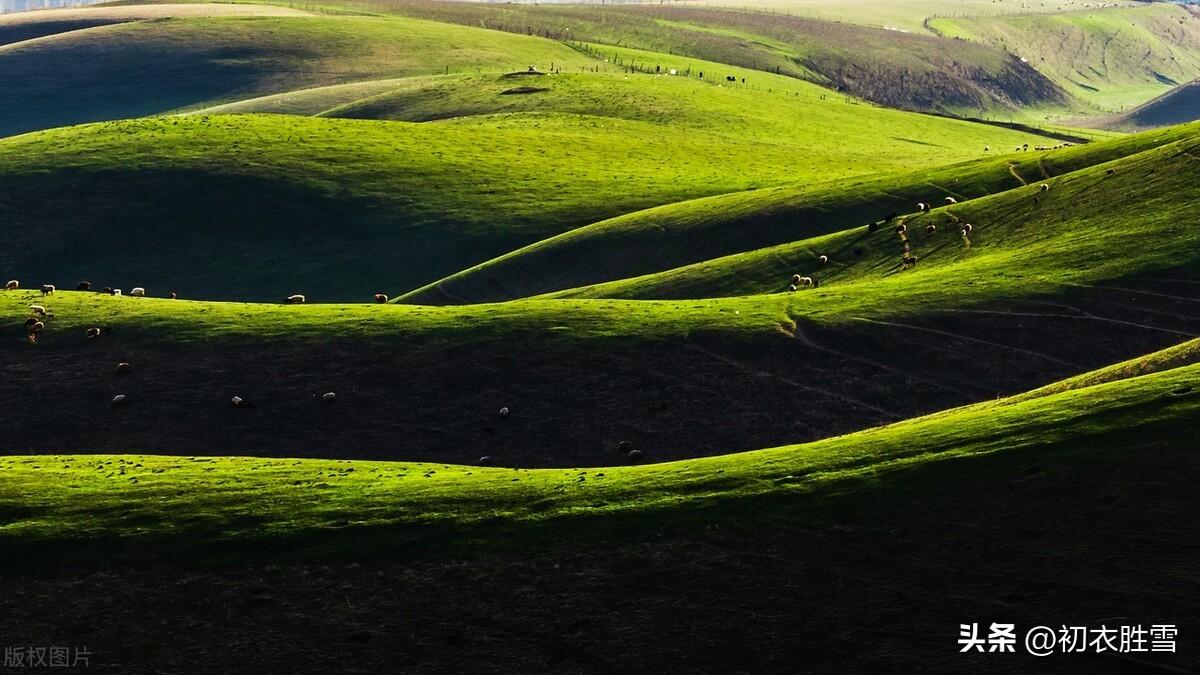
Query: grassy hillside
[[147, 67], [1177, 106], [1112, 59], [677, 379], [911, 15], [21, 26], [897, 69], [691, 232], [241, 206], [437, 97], [1090, 227], [161, 507]]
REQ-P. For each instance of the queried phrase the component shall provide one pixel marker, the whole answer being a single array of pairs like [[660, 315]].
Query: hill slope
[[1178, 106], [1112, 58], [243, 206], [148, 67], [904, 70], [679, 234], [1086, 228]]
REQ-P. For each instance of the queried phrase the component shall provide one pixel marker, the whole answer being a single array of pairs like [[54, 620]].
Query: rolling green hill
[[893, 68], [1089, 227], [695, 231], [21, 26], [154, 66], [1113, 58], [148, 507], [242, 206]]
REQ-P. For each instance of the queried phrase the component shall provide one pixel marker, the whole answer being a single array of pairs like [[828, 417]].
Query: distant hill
[[894, 68], [1110, 59], [1178, 106], [137, 68]]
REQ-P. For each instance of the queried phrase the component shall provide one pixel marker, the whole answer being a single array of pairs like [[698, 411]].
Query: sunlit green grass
[[1089, 227], [248, 196], [151, 507], [702, 230]]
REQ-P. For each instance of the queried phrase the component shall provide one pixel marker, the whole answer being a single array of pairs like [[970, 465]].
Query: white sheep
[[116, 291], [295, 299], [923, 207], [381, 298], [12, 285], [792, 288], [329, 396], [966, 229], [93, 333], [118, 399], [36, 327], [823, 259], [1043, 187], [236, 401], [38, 309], [951, 200], [48, 289], [504, 411], [137, 292], [806, 282]]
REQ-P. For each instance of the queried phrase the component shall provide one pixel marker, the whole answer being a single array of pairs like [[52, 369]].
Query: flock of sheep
[[907, 259]]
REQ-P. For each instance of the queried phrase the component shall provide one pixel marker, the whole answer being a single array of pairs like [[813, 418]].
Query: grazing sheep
[[908, 261], [328, 396], [123, 368], [1043, 187], [38, 309], [485, 460], [236, 401], [823, 259], [966, 229], [116, 291], [93, 333], [634, 455], [795, 278], [931, 228], [109, 290], [792, 288], [48, 289], [381, 298], [504, 412], [951, 200], [173, 295], [84, 286], [138, 292], [118, 399], [29, 322], [807, 282], [901, 229], [296, 299], [923, 207], [12, 285]]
